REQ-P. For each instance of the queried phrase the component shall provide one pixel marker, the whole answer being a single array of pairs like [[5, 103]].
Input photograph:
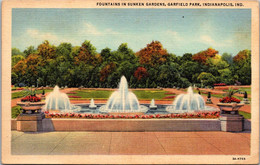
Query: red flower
[[74, 97], [229, 100], [31, 99], [169, 97]]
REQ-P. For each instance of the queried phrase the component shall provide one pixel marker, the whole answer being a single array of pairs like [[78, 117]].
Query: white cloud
[[206, 39], [37, 35], [90, 29], [173, 34]]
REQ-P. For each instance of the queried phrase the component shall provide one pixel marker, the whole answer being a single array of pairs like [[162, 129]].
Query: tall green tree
[[29, 50], [16, 51], [242, 67]]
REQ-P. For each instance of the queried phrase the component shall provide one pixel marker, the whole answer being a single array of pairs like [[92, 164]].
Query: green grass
[[223, 95], [247, 89], [95, 94], [150, 94], [245, 115], [16, 111], [104, 94], [25, 92]]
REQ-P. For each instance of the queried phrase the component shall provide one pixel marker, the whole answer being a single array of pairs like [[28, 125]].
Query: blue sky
[[179, 30]]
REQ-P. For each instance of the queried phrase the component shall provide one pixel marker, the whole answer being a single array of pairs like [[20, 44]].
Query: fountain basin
[[30, 103], [161, 109]]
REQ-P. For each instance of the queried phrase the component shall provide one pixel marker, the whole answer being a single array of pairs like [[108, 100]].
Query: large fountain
[[123, 100], [59, 101], [188, 102]]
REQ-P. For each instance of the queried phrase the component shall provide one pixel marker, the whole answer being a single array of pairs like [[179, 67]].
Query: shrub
[[16, 111]]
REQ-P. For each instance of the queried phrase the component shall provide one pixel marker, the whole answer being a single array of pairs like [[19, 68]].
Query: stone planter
[[232, 123], [27, 103], [229, 108], [30, 122]]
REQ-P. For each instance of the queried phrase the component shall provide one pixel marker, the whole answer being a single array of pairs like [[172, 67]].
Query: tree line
[[151, 67]]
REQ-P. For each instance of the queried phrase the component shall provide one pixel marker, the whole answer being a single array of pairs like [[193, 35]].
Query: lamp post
[[37, 82]]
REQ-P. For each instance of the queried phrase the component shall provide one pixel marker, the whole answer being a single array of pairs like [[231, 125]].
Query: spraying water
[[58, 101], [189, 101], [92, 104], [152, 105], [123, 100]]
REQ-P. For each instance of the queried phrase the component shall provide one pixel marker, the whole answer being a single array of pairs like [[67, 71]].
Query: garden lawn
[[245, 115], [247, 89], [89, 94], [24, 93], [221, 95], [150, 94], [104, 94]]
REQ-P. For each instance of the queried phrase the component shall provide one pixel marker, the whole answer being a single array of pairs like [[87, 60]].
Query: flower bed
[[229, 100], [74, 97], [72, 93], [220, 84], [214, 114], [169, 97], [31, 99]]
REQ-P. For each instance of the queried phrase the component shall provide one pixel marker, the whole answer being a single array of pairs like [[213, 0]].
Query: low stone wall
[[137, 125], [131, 125]]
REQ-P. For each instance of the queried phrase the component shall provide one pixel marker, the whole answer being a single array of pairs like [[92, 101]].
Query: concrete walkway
[[130, 143]]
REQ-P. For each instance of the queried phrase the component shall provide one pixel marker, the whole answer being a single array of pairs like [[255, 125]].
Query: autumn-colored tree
[[33, 62], [46, 51], [105, 71], [153, 54], [20, 67], [242, 55], [16, 59], [87, 54], [140, 73], [202, 56]]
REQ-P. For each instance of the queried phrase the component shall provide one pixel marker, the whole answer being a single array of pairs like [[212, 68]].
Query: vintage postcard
[[130, 82]]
